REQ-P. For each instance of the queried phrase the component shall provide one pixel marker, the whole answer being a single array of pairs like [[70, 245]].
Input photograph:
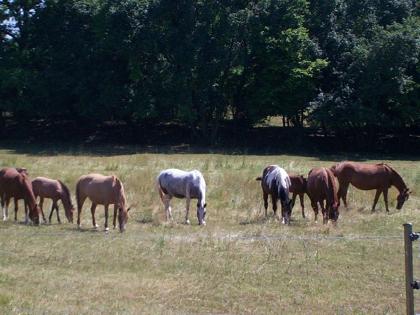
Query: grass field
[[239, 263]]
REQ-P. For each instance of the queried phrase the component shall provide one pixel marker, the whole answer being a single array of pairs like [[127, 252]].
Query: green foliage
[[345, 63]]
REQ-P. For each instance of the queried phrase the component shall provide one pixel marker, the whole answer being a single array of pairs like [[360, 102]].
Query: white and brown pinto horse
[[322, 186], [182, 184], [368, 177], [15, 183], [102, 190], [55, 190], [276, 182]]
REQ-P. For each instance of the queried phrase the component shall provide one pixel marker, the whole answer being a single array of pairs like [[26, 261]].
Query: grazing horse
[[15, 183], [298, 187], [368, 177], [102, 190], [55, 190], [276, 182], [322, 186], [181, 184]]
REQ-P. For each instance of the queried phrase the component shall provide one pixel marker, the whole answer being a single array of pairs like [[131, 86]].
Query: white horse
[[181, 184]]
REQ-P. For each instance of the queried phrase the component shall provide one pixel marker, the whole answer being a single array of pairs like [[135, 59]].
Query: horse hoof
[[107, 229], [204, 223], [5, 219], [187, 222], [115, 227], [79, 226]]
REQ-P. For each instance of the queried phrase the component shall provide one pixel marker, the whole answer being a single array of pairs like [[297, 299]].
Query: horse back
[[100, 189], [317, 185]]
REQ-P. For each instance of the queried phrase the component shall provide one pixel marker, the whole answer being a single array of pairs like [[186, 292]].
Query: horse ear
[[205, 205], [129, 208]]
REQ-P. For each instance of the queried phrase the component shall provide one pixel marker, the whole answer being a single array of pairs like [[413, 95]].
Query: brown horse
[[368, 177], [322, 186], [102, 190], [298, 187], [15, 183], [55, 190]]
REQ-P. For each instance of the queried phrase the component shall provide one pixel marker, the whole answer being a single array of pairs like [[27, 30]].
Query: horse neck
[[28, 193], [65, 197], [397, 181]]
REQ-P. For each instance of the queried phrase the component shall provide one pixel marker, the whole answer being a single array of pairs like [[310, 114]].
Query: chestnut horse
[[276, 182], [15, 183], [298, 187], [368, 177], [322, 186], [102, 190], [55, 190]]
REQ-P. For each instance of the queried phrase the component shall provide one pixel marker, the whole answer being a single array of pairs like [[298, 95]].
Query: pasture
[[239, 263]]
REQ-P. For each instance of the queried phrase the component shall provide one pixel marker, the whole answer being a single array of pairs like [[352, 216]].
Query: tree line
[[339, 65]]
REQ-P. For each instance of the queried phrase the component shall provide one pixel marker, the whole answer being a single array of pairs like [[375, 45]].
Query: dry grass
[[238, 264]]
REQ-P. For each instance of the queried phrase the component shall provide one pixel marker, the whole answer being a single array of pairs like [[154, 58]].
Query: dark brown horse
[[276, 182], [322, 186], [368, 177], [15, 183], [298, 188]]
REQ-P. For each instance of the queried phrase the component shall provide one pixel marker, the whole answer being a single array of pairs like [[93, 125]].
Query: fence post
[[409, 296]]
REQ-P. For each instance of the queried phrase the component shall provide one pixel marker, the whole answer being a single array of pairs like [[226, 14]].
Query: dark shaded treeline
[[349, 68]]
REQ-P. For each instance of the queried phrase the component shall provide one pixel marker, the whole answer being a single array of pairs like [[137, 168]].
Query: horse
[[55, 190], [102, 190], [368, 177], [298, 187], [183, 184], [322, 186], [276, 182], [15, 183]]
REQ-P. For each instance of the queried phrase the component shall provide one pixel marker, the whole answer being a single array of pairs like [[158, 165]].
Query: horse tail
[[159, 188], [259, 178], [332, 187]]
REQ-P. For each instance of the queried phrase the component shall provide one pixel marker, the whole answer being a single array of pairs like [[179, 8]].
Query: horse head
[[402, 197], [69, 213], [333, 215], [201, 213], [123, 217], [286, 211], [34, 214]]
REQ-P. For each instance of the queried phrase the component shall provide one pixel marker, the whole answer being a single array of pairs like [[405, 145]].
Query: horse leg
[[168, 209], [6, 208], [274, 202], [386, 199], [114, 219], [56, 209], [42, 213], [302, 205], [315, 208], [324, 211], [187, 210], [293, 199], [26, 207], [92, 210], [16, 209], [342, 192], [79, 209], [106, 217], [2, 204], [265, 198], [378, 193]]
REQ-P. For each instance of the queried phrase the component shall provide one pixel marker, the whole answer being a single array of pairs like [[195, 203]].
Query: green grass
[[239, 263]]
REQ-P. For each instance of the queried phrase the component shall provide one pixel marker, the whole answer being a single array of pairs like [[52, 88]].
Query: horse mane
[[395, 173], [121, 189], [65, 190]]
